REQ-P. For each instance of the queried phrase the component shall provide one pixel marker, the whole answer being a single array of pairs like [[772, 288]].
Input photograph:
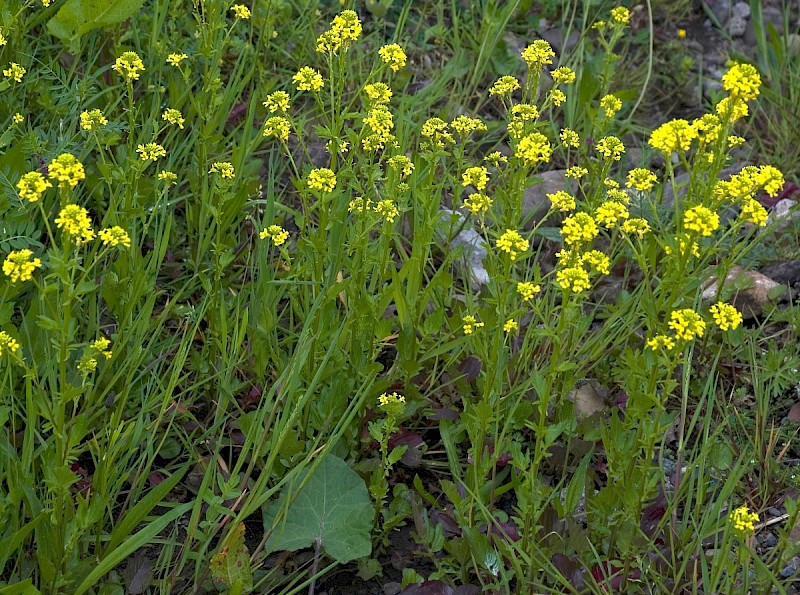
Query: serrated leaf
[[231, 564], [77, 17], [333, 509]]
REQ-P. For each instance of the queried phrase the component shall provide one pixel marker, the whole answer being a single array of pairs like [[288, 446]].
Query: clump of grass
[[221, 276]]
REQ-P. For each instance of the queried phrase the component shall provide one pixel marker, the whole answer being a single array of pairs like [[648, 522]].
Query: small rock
[[785, 273], [737, 26], [751, 290], [784, 211], [535, 202], [772, 511], [788, 571], [741, 9], [721, 9], [587, 401], [392, 588], [474, 248], [770, 540]]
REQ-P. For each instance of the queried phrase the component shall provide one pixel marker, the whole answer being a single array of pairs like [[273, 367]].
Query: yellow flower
[[101, 346], [66, 170], [176, 59], [598, 261], [18, 118], [378, 93], [611, 105], [732, 109], [276, 233], [620, 15], [387, 209], [527, 290], [7, 344], [277, 126], [392, 403], [641, 179], [576, 172], [359, 205], [475, 176], [708, 128], [510, 326], [129, 65], [167, 176], [496, 158], [115, 236], [726, 316], [174, 117], [557, 96], [685, 245], [470, 324], [675, 135], [20, 266], [563, 75], [538, 54], [224, 169], [32, 185], [534, 149], [524, 112], [464, 125], [151, 151], [681, 34], [742, 81], [661, 341], [579, 228], [308, 79], [735, 141], [570, 138], [771, 179], [754, 212], [743, 521], [636, 226], [562, 200], [478, 203], [323, 180], [611, 148], [436, 130], [505, 85], [610, 212], [687, 324], [277, 102], [14, 71], [512, 243], [2, 39], [93, 119], [575, 279], [401, 164], [393, 55], [701, 219], [75, 222], [240, 11], [345, 28]]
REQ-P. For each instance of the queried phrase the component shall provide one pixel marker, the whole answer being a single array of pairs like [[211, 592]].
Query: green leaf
[[231, 564], [576, 485], [77, 17], [333, 509]]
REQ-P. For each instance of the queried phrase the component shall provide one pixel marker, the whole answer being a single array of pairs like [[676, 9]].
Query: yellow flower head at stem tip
[[726, 316], [75, 222], [223, 169], [322, 179], [129, 65], [276, 233], [512, 243], [240, 11], [393, 55], [20, 266], [32, 185], [115, 236], [308, 79], [15, 72], [93, 119], [743, 521], [7, 344], [66, 170]]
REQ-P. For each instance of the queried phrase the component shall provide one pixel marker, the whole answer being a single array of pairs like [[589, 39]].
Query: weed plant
[[231, 256]]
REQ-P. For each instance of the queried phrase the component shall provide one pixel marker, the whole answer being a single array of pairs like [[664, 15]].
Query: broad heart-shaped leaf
[[77, 17], [332, 508]]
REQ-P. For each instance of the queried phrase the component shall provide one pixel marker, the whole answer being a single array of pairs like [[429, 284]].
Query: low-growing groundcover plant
[[255, 303]]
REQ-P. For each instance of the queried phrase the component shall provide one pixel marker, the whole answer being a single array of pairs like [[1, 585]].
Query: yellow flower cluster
[[610, 212], [754, 212], [742, 81], [527, 290], [378, 93], [277, 102], [636, 226], [66, 170], [380, 122], [562, 201], [512, 243], [151, 151], [556, 96], [675, 135], [32, 185], [129, 65], [743, 521], [661, 342], [393, 55], [75, 222], [505, 85], [578, 229], [167, 176], [222, 168], [575, 279], [576, 172], [278, 127], [115, 236], [471, 324], [464, 126], [276, 233], [402, 165], [176, 59], [240, 11], [20, 266], [620, 15], [308, 79], [476, 176], [387, 209], [101, 346], [93, 119], [570, 138], [701, 219], [392, 403], [14, 71], [611, 148], [611, 105], [563, 75], [436, 130], [641, 179], [597, 261], [7, 344], [322, 179], [510, 326], [687, 324], [345, 28], [726, 316], [534, 149], [478, 203], [686, 245], [174, 117], [538, 54]]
